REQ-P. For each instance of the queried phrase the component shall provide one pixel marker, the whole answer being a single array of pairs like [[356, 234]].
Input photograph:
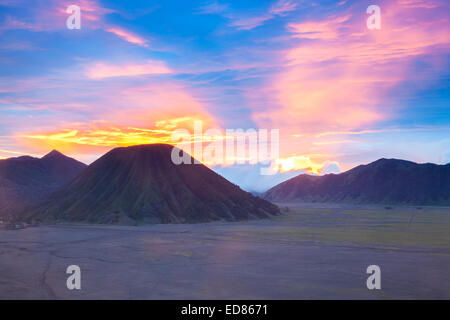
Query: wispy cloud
[[248, 23], [425, 4], [113, 114], [213, 8], [340, 76], [244, 21], [329, 84], [325, 30], [13, 23], [52, 15], [101, 70], [282, 7], [16, 153], [128, 36]]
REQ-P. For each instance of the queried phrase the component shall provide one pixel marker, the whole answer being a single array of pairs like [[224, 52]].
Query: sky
[[339, 93]]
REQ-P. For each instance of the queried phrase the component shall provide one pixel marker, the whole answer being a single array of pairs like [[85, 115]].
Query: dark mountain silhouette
[[26, 180], [385, 181], [140, 184]]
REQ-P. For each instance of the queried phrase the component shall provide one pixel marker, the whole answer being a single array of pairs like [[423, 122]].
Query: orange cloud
[[298, 163], [104, 136], [148, 104], [15, 153], [306, 163], [121, 114], [100, 136]]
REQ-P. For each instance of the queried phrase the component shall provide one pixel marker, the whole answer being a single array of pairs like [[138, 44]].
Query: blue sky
[[340, 94]]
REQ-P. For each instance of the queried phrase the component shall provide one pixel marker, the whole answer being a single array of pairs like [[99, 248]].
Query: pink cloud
[[157, 101], [13, 23], [337, 78], [92, 10], [116, 113], [282, 7], [248, 23], [128, 36], [213, 8], [324, 30], [52, 16], [418, 4], [102, 70]]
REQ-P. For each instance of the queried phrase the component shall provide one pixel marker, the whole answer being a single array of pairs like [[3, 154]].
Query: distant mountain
[[385, 181], [140, 184], [25, 180]]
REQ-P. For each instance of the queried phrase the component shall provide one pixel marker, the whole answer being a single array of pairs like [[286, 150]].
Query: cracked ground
[[309, 253]]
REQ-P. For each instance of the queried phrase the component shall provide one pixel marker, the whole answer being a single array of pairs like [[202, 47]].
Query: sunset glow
[[339, 93]]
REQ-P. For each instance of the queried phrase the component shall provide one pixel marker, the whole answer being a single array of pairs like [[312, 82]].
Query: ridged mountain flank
[[141, 184], [24, 181], [385, 181]]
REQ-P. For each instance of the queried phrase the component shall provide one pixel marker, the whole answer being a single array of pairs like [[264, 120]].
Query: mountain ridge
[[140, 184], [26, 180], [384, 181]]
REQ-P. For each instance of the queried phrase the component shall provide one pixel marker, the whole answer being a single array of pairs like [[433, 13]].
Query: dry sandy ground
[[309, 253]]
